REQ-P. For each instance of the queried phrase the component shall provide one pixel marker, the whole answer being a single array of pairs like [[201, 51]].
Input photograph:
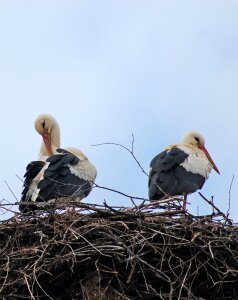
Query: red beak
[[209, 158], [47, 141]]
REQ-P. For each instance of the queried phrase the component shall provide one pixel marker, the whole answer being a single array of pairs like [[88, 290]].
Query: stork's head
[[48, 128], [195, 139]]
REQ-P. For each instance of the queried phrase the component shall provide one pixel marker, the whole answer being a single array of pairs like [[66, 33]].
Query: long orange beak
[[47, 141], [209, 158]]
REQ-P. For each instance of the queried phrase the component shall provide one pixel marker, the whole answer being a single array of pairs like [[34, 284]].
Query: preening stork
[[181, 169], [59, 173]]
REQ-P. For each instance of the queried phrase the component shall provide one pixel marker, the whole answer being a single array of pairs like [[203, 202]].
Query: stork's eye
[[43, 124], [197, 139]]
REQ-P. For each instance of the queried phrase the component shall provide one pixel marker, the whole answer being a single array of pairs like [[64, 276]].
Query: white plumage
[[196, 162], [84, 169]]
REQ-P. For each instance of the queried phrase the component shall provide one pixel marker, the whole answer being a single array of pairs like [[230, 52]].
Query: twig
[[217, 209], [6, 277], [28, 286], [121, 193], [131, 151], [229, 203], [10, 190]]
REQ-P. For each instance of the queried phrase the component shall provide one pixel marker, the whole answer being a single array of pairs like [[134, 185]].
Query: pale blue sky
[[107, 69]]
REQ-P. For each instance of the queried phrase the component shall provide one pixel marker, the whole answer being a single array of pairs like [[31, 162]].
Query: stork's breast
[[196, 162]]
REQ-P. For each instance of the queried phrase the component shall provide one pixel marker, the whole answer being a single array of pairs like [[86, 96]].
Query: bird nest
[[150, 251]]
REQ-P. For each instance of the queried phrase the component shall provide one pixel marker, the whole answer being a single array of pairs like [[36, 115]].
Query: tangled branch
[[105, 252]]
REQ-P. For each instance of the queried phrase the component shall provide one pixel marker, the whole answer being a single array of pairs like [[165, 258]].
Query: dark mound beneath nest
[[126, 254]]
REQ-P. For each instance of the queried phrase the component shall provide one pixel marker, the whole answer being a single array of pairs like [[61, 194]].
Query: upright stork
[[180, 169], [59, 173]]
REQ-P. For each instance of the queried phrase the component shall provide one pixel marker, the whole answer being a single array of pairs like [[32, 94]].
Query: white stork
[[180, 169], [59, 173]]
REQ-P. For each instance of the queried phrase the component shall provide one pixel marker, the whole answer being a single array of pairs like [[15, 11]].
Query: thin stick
[[229, 203], [121, 193], [217, 209], [10, 190], [131, 151], [28, 287]]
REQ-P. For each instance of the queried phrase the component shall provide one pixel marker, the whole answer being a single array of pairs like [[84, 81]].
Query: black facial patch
[[197, 139]]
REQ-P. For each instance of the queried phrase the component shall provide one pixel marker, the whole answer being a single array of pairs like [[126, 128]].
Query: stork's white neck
[[55, 142]]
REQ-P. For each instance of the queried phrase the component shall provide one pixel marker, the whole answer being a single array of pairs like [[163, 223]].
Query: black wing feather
[[167, 177], [58, 180], [162, 180], [32, 170]]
